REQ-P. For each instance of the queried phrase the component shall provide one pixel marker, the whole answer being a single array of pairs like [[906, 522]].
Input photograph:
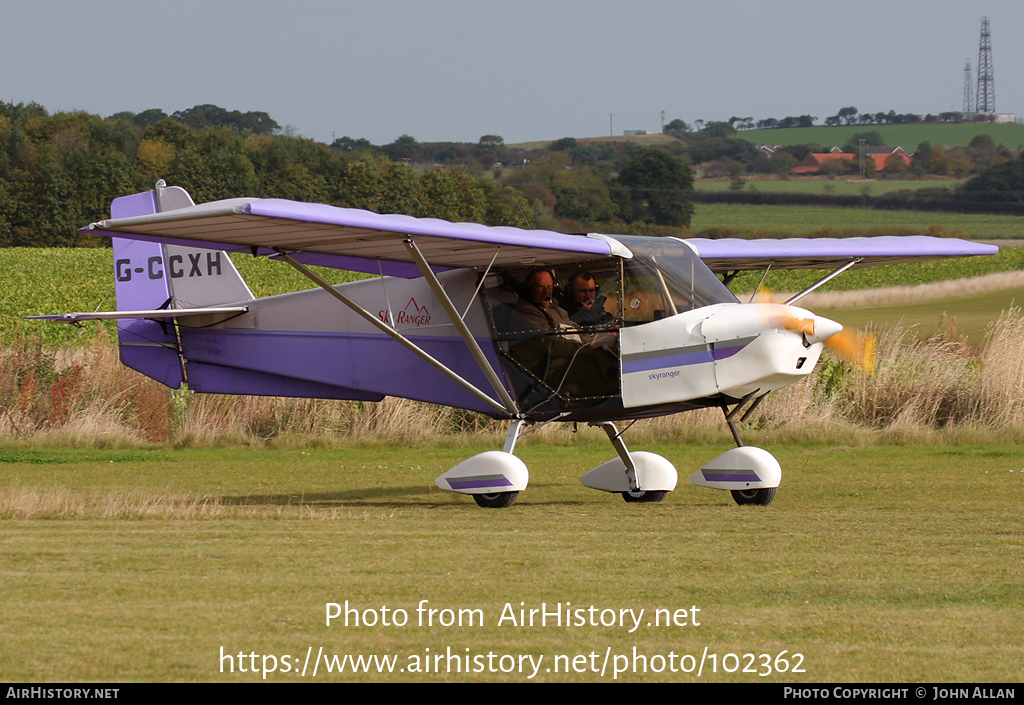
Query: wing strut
[[411, 346], [821, 281], [467, 337]]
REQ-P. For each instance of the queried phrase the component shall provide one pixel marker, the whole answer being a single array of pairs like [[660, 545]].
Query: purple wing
[[820, 253], [349, 238]]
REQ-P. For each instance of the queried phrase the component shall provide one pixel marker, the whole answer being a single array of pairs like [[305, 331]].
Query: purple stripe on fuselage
[[697, 357], [657, 363], [724, 351]]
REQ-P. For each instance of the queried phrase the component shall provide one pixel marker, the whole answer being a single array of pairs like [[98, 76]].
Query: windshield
[[666, 277]]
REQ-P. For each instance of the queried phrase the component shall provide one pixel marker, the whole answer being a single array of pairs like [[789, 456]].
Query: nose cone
[[824, 328]]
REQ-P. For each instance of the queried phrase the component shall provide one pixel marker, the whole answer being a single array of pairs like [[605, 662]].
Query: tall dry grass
[[63, 503], [920, 390]]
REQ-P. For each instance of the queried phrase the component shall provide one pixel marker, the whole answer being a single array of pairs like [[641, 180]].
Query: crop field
[[45, 281], [40, 281], [896, 564]]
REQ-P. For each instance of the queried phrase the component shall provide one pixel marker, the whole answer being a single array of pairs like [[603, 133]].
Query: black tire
[[762, 497], [644, 496], [496, 500]]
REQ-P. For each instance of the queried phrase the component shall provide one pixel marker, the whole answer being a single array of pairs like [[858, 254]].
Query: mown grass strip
[[875, 564]]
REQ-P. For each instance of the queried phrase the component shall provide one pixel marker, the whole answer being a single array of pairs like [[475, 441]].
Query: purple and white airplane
[[447, 318]]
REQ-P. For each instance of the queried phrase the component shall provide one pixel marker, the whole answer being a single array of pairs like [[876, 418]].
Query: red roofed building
[[812, 163], [885, 159], [882, 156]]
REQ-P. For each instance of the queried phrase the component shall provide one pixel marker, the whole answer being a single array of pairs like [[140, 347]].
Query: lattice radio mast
[[986, 84], [968, 93]]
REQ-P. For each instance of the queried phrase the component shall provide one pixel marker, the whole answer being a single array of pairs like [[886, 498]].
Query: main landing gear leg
[[638, 476], [494, 478], [751, 474]]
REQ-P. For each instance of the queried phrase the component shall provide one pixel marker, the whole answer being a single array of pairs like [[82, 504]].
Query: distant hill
[[906, 136], [649, 140]]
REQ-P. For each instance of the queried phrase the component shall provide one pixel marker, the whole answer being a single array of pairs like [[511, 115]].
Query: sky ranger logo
[[197, 266], [412, 315]]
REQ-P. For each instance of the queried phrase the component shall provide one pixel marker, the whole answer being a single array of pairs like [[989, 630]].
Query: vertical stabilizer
[[150, 276]]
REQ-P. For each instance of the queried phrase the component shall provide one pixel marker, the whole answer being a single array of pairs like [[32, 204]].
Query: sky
[[454, 70]]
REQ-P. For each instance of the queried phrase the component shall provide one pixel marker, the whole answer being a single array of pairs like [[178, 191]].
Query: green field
[[796, 220], [839, 187], [906, 136], [895, 564]]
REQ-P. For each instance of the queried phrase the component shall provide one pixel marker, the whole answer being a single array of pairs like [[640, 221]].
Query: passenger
[[585, 307]]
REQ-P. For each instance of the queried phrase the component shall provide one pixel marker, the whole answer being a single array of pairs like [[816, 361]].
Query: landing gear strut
[[638, 476]]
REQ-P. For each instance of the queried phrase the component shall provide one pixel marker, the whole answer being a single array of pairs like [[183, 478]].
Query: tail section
[[152, 276]]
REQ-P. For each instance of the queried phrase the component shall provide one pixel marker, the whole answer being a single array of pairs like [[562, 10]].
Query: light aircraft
[[448, 319]]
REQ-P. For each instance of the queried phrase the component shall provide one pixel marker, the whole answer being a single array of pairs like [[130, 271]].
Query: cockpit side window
[[555, 330]]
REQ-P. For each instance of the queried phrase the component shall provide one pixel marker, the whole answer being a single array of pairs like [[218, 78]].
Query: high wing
[[730, 255], [353, 239], [359, 240]]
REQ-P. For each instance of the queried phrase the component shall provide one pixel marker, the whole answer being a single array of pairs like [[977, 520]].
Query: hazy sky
[[526, 70]]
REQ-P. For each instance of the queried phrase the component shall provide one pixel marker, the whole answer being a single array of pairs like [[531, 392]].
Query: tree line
[[845, 116], [60, 172]]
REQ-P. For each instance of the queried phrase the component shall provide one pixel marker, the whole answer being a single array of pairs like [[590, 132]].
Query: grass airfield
[[874, 563]]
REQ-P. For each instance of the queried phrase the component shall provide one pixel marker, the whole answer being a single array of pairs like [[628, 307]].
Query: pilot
[[545, 352], [539, 305]]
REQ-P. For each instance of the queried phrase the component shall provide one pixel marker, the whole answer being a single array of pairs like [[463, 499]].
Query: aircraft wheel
[[496, 500], [762, 497], [644, 496]]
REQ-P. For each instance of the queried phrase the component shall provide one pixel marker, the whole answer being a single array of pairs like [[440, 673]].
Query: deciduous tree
[[653, 188]]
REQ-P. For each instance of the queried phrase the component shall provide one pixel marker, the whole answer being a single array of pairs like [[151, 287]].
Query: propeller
[[848, 344]]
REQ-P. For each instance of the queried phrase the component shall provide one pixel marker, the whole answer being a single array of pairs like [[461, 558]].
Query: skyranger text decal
[[412, 315]]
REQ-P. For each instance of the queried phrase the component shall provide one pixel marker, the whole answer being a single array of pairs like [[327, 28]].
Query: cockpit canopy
[[666, 277], [564, 354]]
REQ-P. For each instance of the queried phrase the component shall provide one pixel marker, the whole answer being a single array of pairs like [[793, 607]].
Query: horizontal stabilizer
[[154, 314]]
